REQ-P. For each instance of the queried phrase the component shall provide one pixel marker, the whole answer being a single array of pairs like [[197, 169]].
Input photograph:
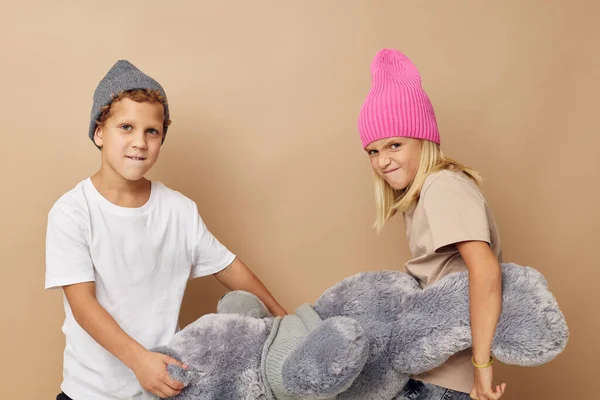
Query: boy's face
[[131, 137]]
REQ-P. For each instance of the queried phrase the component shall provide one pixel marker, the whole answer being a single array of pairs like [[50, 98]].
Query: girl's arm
[[485, 300], [485, 294], [238, 276]]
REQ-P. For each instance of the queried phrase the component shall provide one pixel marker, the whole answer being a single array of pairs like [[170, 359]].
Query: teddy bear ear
[[242, 303], [327, 361]]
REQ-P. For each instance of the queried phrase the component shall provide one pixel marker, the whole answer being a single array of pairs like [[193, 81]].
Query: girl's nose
[[383, 160]]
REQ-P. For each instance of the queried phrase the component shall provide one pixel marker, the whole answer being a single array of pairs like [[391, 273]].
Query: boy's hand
[[150, 368], [151, 371], [237, 276]]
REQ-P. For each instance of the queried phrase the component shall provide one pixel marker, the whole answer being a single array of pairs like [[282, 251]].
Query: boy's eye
[[126, 127]]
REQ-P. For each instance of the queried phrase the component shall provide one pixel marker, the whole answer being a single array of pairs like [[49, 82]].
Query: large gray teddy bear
[[362, 339]]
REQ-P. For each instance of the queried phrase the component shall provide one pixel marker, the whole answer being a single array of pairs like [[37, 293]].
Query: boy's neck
[[121, 192]]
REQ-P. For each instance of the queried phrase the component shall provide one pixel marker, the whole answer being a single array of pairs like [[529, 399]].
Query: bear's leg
[[328, 360]]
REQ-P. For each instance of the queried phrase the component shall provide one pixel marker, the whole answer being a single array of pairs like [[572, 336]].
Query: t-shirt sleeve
[[68, 259], [455, 212], [209, 255]]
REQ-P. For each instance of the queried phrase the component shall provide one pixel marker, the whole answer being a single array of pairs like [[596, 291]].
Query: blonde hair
[[390, 201]]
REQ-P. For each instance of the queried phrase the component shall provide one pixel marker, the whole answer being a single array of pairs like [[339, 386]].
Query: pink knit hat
[[396, 105]]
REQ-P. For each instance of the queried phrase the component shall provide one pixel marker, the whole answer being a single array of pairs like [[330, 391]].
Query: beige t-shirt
[[451, 209]]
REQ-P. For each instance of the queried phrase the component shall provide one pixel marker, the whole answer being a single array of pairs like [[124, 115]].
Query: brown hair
[[137, 95]]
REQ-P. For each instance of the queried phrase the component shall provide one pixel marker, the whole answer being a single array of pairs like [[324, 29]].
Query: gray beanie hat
[[121, 77]]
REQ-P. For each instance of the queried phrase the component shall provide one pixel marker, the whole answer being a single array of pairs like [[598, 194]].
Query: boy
[[122, 248]]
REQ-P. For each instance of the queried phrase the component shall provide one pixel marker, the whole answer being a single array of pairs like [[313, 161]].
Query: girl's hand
[[482, 387]]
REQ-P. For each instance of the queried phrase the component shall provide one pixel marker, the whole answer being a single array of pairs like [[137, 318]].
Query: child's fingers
[[159, 393], [171, 360], [494, 395], [169, 391], [173, 384]]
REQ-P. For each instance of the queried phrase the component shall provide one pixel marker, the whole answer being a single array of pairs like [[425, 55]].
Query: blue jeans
[[414, 390], [417, 390]]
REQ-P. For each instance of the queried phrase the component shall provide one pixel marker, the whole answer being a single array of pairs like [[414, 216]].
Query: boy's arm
[[210, 256], [237, 276], [149, 367]]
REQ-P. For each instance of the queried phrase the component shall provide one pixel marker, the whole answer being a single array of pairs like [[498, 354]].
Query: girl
[[449, 225]]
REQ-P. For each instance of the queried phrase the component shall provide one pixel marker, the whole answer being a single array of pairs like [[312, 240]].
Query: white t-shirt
[[141, 260]]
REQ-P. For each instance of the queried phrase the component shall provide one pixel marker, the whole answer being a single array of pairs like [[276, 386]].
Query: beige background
[[264, 98]]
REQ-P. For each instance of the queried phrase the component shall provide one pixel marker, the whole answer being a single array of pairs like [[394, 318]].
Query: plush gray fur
[[330, 358], [377, 329], [242, 303], [223, 354]]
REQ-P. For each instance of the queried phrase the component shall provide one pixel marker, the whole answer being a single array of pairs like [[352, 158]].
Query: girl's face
[[395, 159]]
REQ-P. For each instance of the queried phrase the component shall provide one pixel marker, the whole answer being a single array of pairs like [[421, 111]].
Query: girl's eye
[[395, 145], [372, 152]]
